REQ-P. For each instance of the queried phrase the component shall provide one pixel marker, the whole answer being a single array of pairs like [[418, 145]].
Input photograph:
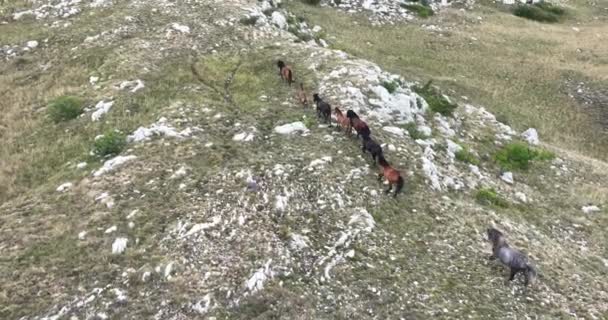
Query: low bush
[[110, 143], [391, 86], [489, 197], [466, 156], [412, 130], [420, 10], [541, 12], [436, 101], [518, 155], [65, 108]]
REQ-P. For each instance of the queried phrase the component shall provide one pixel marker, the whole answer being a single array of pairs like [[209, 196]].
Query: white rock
[[298, 242], [507, 177], [81, 165], [32, 44], [111, 229], [316, 29], [256, 282], [160, 128], [243, 136], [394, 130], [521, 197], [291, 128], [203, 226], [279, 20], [132, 86], [202, 307], [101, 108], [590, 209], [82, 235], [531, 136], [119, 245], [112, 164], [168, 270], [179, 173], [180, 28], [64, 187], [93, 80], [121, 297]]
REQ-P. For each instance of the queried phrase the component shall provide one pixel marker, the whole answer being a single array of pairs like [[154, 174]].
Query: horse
[[355, 122], [302, 95], [323, 108], [392, 175], [342, 120], [285, 72], [515, 260], [368, 144]]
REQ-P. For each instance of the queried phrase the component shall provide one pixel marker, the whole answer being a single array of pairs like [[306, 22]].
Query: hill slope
[[230, 200]]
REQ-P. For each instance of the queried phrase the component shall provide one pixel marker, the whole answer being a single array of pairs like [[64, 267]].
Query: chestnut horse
[[342, 120], [355, 122], [285, 72], [323, 108], [302, 95], [392, 175]]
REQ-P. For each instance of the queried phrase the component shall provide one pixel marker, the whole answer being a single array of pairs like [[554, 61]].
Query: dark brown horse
[[360, 126], [285, 72], [323, 108]]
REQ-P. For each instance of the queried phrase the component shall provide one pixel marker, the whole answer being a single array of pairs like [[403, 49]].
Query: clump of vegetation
[[312, 2], [302, 36], [413, 131], [488, 196], [309, 122], [421, 10], [466, 156], [65, 108], [391, 86], [518, 155], [249, 20], [269, 11], [541, 12], [437, 102], [110, 143]]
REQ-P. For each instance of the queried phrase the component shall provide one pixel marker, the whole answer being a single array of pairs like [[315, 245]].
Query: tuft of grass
[[413, 131], [518, 155], [489, 196], [309, 122], [302, 36], [420, 10], [112, 143], [311, 2], [466, 156], [65, 108], [437, 102], [249, 20], [541, 12], [391, 86]]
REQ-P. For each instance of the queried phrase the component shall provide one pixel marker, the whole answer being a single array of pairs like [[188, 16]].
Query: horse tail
[[290, 77], [400, 183], [531, 274]]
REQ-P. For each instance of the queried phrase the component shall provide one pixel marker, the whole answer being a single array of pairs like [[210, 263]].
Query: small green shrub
[[489, 197], [436, 101], [309, 122], [391, 86], [518, 155], [312, 2], [466, 156], [65, 108], [413, 131], [420, 10], [541, 12], [111, 143], [249, 21]]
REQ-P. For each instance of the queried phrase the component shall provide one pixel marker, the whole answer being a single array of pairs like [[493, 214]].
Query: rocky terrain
[[230, 200]]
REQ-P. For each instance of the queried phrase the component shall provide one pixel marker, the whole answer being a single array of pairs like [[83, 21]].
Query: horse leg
[[514, 271], [390, 186], [380, 175]]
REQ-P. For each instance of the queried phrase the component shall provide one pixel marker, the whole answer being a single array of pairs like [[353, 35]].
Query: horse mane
[[316, 98], [497, 238], [351, 114], [383, 162], [281, 64], [338, 111]]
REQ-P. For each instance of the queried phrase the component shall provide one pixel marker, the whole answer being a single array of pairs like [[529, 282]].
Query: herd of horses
[[347, 122], [512, 258]]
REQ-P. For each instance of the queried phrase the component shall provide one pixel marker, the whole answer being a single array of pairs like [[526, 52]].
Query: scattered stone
[[521, 197], [531, 136], [113, 164], [292, 128], [279, 20], [590, 209], [101, 108], [507, 177], [119, 245], [64, 187]]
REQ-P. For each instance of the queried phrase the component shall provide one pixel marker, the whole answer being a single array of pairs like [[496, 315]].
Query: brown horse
[[391, 174], [342, 120], [360, 126], [302, 95], [285, 72]]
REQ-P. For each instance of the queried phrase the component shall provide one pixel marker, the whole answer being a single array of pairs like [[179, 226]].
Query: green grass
[[391, 86], [112, 143], [466, 156], [541, 12], [65, 108], [437, 102], [412, 130], [489, 197], [519, 155], [420, 10]]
